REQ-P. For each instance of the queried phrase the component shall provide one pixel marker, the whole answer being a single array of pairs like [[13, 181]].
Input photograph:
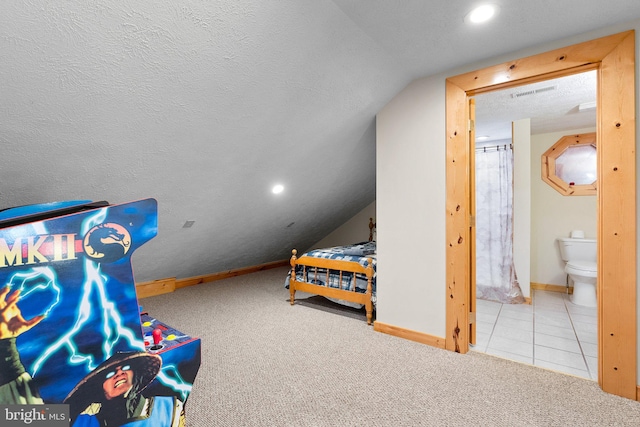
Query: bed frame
[[372, 229], [310, 267]]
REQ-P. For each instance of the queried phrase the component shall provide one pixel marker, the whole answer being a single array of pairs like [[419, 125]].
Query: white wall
[[554, 215], [522, 203], [410, 195], [353, 231]]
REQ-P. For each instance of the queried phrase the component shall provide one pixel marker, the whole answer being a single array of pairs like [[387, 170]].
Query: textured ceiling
[[205, 105], [552, 105]]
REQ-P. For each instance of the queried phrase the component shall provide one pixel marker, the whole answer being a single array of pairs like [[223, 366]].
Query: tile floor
[[551, 333]]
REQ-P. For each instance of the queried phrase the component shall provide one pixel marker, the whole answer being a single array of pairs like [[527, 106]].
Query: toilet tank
[[577, 249]]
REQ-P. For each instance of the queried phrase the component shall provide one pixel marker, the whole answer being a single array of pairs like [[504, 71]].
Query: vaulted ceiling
[[204, 106]]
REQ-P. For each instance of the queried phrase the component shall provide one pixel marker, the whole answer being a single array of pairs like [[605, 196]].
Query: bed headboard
[[372, 229]]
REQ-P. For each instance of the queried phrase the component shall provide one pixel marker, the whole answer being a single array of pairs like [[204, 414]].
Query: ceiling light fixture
[[481, 14], [277, 189]]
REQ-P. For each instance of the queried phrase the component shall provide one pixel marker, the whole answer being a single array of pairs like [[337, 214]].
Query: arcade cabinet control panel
[[158, 336]]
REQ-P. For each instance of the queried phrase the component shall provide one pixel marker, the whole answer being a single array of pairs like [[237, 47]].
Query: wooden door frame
[[614, 59]]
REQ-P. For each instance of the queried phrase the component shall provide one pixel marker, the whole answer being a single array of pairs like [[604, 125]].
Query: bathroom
[[543, 217]]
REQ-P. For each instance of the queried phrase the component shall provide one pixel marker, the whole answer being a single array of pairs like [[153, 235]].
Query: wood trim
[[336, 267], [409, 334], [156, 287], [617, 261], [196, 280], [170, 284], [325, 291], [458, 251], [614, 58], [549, 158], [551, 288]]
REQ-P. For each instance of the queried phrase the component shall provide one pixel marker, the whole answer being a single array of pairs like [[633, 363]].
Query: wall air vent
[[534, 91]]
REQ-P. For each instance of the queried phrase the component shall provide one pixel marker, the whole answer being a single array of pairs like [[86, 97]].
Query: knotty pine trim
[[163, 286], [614, 59], [196, 280], [408, 334], [156, 287]]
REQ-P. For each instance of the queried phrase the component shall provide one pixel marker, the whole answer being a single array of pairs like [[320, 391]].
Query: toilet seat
[[582, 268]]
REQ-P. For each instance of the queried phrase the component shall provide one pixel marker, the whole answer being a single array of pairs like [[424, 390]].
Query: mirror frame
[[548, 161]]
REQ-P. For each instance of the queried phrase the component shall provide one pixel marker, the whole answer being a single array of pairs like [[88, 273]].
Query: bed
[[330, 273]]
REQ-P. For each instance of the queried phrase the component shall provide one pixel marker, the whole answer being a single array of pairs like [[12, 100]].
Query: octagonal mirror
[[570, 165]]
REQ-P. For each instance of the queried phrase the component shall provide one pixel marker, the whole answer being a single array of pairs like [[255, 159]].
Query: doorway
[[513, 128], [614, 59]]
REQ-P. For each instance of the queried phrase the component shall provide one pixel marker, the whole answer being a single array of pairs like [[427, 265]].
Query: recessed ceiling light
[[481, 14], [482, 138], [277, 189]]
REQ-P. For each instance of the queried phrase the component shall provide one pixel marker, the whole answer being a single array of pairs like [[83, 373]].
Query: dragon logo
[[107, 242]]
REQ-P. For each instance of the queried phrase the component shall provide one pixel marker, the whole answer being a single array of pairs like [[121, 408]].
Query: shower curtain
[[496, 278]]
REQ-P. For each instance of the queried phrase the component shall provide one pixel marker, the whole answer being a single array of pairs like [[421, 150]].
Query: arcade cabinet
[[71, 327]]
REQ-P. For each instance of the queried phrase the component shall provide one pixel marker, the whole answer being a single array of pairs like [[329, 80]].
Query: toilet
[[579, 254]]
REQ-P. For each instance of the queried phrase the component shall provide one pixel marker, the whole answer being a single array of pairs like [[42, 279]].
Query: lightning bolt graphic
[[46, 280], [112, 325], [170, 376]]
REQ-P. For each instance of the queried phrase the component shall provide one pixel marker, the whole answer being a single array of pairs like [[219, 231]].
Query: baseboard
[[638, 393], [163, 286], [551, 288], [156, 287], [408, 334], [196, 280]]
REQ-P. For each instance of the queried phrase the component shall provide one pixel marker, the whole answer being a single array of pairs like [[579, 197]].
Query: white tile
[[564, 369], [510, 346], [551, 308], [486, 317], [558, 343], [592, 363], [556, 314], [546, 297], [555, 331], [586, 319], [482, 340], [515, 314], [585, 327], [558, 321], [589, 349], [484, 325], [578, 309], [488, 307], [513, 333], [587, 336], [555, 299], [545, 333], [518, 308], [560, 357], [525, 325], [511, 356]]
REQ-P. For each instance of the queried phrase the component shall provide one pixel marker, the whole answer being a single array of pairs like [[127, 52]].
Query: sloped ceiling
[[204, 106]]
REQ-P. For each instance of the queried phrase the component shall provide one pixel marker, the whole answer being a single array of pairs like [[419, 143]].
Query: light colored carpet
[[266, 363]]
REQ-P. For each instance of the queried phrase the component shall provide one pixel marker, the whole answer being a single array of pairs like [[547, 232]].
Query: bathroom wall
[[522, 178], [554, 215]]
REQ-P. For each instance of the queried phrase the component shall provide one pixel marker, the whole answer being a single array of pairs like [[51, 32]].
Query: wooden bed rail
[[336, 267]]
